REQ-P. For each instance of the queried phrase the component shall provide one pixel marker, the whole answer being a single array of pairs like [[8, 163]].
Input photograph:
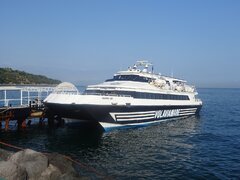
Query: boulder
[[4, 155], [63, 164], [72, 177], [51, 173], [34, 162], [11, 171]]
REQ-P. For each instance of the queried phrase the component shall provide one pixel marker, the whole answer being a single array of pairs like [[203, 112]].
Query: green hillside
[[10, 76]]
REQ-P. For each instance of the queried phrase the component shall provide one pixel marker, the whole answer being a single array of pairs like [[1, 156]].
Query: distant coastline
[[35, 85], [11, 77]]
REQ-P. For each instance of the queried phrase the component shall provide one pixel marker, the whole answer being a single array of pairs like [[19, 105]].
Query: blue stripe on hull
[[111, 126]]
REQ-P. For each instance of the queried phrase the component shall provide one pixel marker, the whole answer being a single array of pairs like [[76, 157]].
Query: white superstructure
[[134, 96]]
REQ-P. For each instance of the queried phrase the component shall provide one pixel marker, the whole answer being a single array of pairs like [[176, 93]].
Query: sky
[[86, 41]]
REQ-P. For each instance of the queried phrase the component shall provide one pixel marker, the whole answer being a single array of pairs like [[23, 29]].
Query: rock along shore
[[31, 165]]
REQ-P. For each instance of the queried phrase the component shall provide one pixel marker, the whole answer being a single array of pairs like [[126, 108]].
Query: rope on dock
[[80, 164], [89, 168], [12, 146]]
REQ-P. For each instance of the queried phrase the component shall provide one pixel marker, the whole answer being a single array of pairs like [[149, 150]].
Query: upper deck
[[145, 79]]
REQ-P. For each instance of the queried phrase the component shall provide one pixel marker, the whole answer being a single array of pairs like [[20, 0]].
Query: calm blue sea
[[205, 147]]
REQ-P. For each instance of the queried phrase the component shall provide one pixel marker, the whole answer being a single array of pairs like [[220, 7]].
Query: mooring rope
[[12, 146], [80, 164], [89, 168]]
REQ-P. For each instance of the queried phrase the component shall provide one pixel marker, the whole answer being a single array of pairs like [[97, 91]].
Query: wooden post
[[29, 122], [60, 121], [41, 123], [23, 124], [7, 123], [51, 121], [19, 122]]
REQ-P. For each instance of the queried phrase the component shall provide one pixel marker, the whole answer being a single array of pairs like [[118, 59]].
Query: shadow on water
[[59, 139], [64, 140]]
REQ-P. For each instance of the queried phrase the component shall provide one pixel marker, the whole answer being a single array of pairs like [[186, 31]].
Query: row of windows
[[138, 94], [130, 78]]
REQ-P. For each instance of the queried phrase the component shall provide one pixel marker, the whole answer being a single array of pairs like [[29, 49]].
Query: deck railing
[[15, 96]]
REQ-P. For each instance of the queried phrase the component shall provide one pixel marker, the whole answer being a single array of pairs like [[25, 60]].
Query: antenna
[[172, 72]]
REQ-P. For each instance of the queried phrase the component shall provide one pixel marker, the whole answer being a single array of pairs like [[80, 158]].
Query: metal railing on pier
[[20, 96]]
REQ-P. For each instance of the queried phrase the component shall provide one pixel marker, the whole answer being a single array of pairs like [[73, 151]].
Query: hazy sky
[[87, 41]]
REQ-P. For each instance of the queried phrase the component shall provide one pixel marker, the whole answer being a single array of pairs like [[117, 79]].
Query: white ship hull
[[132, 97], [130, 112]]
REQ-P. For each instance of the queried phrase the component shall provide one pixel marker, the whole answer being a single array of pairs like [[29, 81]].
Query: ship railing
[[102, 94], [66, 93], [189, 88], [198, 100], [118, 95]]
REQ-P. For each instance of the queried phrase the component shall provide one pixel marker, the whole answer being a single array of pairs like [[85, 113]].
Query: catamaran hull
[[118, 116]]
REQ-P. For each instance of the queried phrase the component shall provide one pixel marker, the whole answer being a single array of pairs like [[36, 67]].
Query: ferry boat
[[134, 97]]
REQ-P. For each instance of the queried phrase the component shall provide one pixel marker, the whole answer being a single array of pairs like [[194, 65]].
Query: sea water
[[205, 147]]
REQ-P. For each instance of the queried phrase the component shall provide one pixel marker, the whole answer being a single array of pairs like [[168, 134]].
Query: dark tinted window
[[130, 78], [138, 94]]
